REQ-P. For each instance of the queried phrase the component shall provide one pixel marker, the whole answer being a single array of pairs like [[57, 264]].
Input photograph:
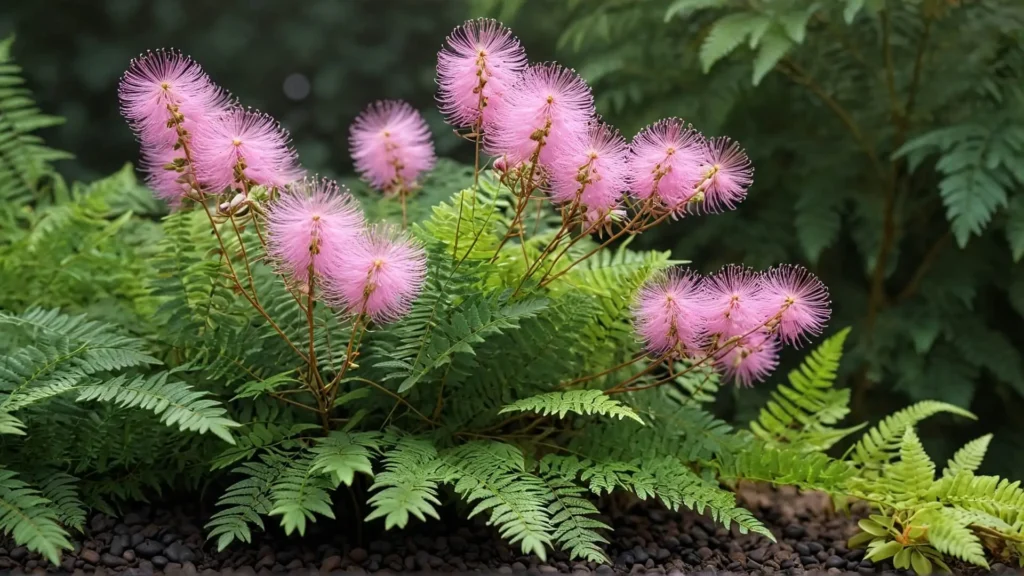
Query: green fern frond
[[408, 484], [62, 491], [909, 479], [491, 476], [802, 414], [782, 466], [299, 493], [879, 444], [950, 534], [29, 518], [989, 494], [572, 515], [11, 425], [175, 402], [342, 454], [245, 501], [969, 457], [585, 402]]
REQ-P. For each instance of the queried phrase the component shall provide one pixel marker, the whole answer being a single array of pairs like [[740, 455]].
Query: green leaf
[[11, 425], [880, 551], [680, 8], [29, 518], [585, 402], [851, 10], [1015, 226], [725, 35], [922, 565], [969, 457], [771, 49], [343, 454]]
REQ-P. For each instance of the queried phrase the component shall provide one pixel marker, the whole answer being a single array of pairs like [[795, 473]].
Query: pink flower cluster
[[544, 114], [317, 227], [194, 136], [197, 142], [737, 317]]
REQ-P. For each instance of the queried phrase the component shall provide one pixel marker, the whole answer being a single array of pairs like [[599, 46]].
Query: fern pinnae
[[408, 484], [583, 402], [29, 518], [879, 443], [969, 457]]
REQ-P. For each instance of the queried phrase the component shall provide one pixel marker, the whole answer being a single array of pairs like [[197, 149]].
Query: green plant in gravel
[[513, 382]]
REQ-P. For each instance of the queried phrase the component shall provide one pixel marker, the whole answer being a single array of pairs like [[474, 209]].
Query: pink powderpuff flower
[[313, 223], [666, 160], [669, 315], [752, 359], [595, 167], [390, 145], [482, 59], [246, 137], [157, 81], [171, 186], [547, 106], [727, 174], [379, 275], [799, 298], [733, 301]]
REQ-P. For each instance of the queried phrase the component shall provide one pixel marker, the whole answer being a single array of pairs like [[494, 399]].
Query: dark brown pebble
[[808, 560], [90, 556], [794, 531], [358, 555]]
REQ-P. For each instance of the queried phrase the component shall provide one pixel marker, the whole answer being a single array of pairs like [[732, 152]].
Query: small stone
[[293, 564], [867, 571], [833, 571], [808, 560], [245, 571], [699, 533], [90, 556], [855, 555], [656, 516], [757, 555], [692, 559], [98, 523], [159, 561], [112, 561], [734, 566], [802, 549], [18, 554], [178, 552], [794, 531], [266, 560], [545, 569], [5, 563], [358, 555], [122, 529], [835, 562], [331, 563], [189, 569], [662, 554], [605, 569], [68, 564], [786, 564], [119, 543], [752, 565], [518, 567], [136, 539], [705, 553], [504, 569], [149, 548], [671, 542], [129, 556], [815, 547], [686, 540], [640, 554], [851, 566], [168, 538], [209, 572], [150, 531], [78, 572]]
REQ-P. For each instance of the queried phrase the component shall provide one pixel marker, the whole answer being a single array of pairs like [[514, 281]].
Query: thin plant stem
[[245, 257], [605, 372]]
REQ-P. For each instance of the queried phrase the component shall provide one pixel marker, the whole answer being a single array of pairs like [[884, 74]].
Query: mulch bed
[[646, 539]]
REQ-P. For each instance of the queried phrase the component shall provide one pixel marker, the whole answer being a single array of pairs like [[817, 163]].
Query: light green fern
[[586, 402], [968, 458]]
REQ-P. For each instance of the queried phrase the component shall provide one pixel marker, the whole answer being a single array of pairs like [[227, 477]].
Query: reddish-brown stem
[[245, 257], [605, 372], [357, 327]]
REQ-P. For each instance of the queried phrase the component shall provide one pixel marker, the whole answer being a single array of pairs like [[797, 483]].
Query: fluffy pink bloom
[[390, 144], [379, 275], [158, 80], [727, 175], [666, 160], [481, 51], [800, 297], [733, 301], [246, 136], [548, 104], [170, 186], [597, 164], [752, 359], [313, 223], [668, 313]]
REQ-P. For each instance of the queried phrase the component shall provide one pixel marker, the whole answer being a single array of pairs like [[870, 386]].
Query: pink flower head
[[170, 186], [733, 301], [249, 138], [390, 144], [159, 81], [666, 160], [669, 315], [481, 61], [800, 298], [379, 275], [752, 359], [312, 224], [595, 167], [547, 106], [727, 174]]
